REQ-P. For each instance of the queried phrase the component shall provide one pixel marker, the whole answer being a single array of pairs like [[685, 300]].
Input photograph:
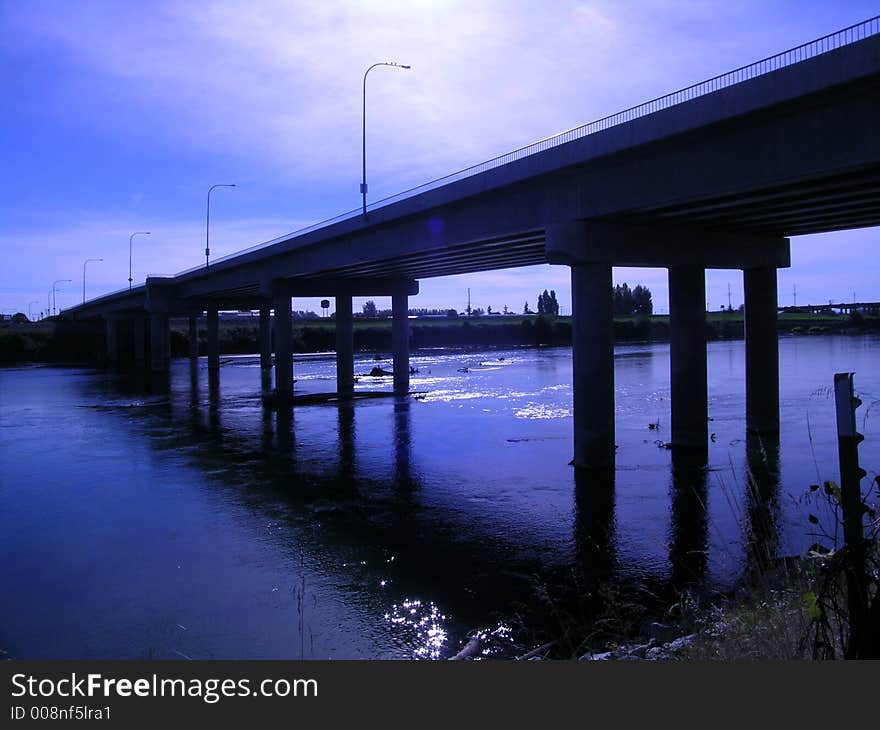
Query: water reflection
[[451, 506], [762, 494], [403, 477], [594, 526], [285, 436], [345, 427], [688, 548]]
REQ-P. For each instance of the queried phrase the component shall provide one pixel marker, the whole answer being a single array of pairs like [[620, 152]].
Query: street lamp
[[88, 261], [136, 233], [364, 137], [54, 289], [208, 220]]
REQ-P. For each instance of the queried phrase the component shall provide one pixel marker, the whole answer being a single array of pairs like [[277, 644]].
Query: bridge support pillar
[[345, 346], [193, 337], [112, 328], [687, 355], [283, 346], [592, 340], [139, 337], [212, 322], [400, 336], [159, 345], [265, 338], [762, 350]]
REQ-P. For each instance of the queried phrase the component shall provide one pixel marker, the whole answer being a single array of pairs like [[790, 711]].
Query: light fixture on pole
[[136, 233], [54, 289], [88, 261], [364, 136], [208, 220]]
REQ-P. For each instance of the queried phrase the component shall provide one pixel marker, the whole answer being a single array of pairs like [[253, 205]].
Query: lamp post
[[136, 233], [30, 304], [364, 136], [54, 289], [88, 261], [208, 220]]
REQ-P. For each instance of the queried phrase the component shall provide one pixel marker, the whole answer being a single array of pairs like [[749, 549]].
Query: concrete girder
[[320, 287], [622, 244]]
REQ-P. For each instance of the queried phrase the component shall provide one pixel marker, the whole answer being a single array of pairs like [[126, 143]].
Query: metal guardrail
[[804, 52]]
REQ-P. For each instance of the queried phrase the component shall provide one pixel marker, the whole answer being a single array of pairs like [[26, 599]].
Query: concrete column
[[344, 346], [112, 340], [592, 350], [194, 337], [400, 337], [687, 355], [265, 337], [213, 327], [283, 346], [139, 335], [159, 345], [762, 350]]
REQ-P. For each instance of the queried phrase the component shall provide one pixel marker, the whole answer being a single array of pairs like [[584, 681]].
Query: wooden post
[[848, 440]]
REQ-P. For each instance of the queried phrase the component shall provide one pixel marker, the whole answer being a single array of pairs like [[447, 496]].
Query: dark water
[[169, 521]]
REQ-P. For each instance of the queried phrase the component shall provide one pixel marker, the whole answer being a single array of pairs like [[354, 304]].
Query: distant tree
[[641, 300], [489, 309], [451, 314], [622, 299], [505, 309], [477, 312], [547, 303], [526, 309], [369, 309]]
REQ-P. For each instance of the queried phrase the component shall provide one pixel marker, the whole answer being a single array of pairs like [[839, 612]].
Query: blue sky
[[117, 117]]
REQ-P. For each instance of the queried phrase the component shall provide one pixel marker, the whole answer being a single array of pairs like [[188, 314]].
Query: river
[[167, 521]]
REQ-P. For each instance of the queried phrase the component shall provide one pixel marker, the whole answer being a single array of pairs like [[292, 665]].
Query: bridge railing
[[792, 56]]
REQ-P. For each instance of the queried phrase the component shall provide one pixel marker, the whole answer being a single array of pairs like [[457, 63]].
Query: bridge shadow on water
[[348, 497]]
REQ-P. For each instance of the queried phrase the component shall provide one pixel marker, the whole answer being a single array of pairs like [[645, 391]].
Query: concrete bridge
[[717, 175]]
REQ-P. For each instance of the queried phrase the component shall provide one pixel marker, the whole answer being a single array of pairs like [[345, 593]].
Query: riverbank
[[795, 610], [57, 341]]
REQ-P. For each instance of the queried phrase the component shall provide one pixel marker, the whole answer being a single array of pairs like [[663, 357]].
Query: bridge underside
[[815, 205]]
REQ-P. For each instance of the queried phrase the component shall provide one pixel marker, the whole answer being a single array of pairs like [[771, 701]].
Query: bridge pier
[[590, 248], [687, 356], [592, 340], [139, 342], [762, 350], [283, 346], [112, 340], [400, 336], [193, 337], [265, 338], [159, 345], [212, 323], [345, 345]]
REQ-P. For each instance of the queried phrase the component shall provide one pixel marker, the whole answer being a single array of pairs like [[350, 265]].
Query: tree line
[[626, 301]]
